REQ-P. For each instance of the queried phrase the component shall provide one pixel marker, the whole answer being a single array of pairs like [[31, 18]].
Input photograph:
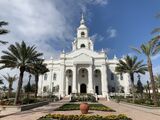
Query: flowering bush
[[84, 117]]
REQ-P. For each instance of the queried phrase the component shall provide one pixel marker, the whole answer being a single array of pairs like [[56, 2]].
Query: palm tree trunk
[[22, 69], [132, 85], [36, 82], [9, 90], [152, 81]]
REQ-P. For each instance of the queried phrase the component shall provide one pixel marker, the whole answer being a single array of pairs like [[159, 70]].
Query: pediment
[[83, 58]]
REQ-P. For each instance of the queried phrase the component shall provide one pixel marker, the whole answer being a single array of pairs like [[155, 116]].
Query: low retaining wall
[[34, 105], [143, 106], [8, 110]]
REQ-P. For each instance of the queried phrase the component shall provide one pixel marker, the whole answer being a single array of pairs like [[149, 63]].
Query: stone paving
[[131, 111], [35, 113], [134, 112]]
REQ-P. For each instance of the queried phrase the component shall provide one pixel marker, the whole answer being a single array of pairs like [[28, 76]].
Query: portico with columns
[[82, 70]]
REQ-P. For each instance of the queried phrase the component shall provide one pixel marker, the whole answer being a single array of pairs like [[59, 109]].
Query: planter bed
[[99, 107], [84, 117]]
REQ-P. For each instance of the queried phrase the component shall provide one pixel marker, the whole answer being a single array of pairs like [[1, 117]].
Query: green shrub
[[84, 117], [99, 107], [29, 101], [83, 97]]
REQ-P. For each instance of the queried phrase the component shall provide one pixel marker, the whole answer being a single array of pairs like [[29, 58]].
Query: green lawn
[[99, 107]]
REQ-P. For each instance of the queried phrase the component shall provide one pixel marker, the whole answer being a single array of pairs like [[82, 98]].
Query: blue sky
[[51, 24]]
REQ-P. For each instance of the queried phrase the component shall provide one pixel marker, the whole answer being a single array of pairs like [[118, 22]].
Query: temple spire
[[82, 19]]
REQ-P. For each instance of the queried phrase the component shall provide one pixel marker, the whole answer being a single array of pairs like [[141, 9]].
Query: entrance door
[[83, 88], [97, 90], [69, 90]]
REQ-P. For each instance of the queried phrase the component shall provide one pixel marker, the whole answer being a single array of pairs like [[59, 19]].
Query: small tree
[[150, 49], [157, 79], [140, 88], [27, 88], [19, 56], [131, 66], [10, 80]]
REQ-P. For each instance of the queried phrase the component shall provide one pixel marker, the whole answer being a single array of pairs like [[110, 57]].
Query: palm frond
[[136, 49]]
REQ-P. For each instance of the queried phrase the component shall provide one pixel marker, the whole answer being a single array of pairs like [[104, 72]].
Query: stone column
[[67, 85], [63, 74], [90, 79], [104, 82], [74, 82]]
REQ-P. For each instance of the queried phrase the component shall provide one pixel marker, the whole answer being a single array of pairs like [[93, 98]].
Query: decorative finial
[[82, 19], [102, 50], [115, 57], [51, 58], [63, 51]]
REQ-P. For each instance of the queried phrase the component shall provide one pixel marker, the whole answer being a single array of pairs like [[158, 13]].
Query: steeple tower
[[82, 30], [82, 41]]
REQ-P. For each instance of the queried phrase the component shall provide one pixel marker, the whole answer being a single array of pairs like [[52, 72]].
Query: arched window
[[54, 76], [83, 46], [45, 76], [112, 76], [82, 34]]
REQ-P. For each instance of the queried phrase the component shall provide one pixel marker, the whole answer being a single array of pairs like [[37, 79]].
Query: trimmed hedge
[[84, 117], [99, 107], [79, 97]]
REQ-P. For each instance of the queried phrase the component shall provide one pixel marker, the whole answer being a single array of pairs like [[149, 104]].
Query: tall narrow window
[[121, 76], [54, 76], [112, 76], [45, 76], [82, 34]]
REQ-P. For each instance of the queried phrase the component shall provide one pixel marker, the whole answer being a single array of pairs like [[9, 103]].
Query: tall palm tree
[[10, 80], [3, 31], [38, 68], [157, 79], [19, 56], [130, 65], [150, 49]]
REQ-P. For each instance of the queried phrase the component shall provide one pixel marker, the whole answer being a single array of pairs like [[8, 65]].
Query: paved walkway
[[134, 112], [131, 111], [35, 113]]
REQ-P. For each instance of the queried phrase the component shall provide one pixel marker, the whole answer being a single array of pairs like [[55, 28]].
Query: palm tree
[[10, 80], [38, 68], [19, 56], [157, 79], [150, 49], [130, 65], [3, 31]]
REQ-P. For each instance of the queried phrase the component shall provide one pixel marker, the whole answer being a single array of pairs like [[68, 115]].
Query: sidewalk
[[134, 112], [35, 113]]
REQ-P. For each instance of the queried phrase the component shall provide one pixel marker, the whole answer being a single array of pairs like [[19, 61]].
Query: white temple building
[[83, 70]]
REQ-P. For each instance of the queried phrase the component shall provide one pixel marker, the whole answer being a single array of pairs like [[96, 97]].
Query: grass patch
[[99, 107], [84, 117]]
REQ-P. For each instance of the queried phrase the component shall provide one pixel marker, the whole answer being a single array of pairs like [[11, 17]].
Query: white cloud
[[111, 32], [47, 24], [97, 37]]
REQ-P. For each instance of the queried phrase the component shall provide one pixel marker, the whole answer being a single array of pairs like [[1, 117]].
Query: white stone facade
[[82, 70]]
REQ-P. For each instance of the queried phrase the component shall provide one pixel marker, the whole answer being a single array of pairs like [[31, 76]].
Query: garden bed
[[99, 107], [84, 117]]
